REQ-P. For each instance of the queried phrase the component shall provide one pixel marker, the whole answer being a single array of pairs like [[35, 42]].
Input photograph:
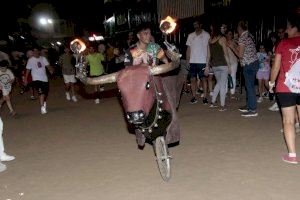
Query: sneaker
[[2, 167], [265, 95], [199, 91], [101, 89], [260, 99], [97, 101], [213, 105], [243, 109], [5, 157], [222, 109], [74, 99], [68, 96], [288, 159], [33, 97], [193, 100], [43, 110], [274, 107], [205, 101], [232, 96], [250, 113]]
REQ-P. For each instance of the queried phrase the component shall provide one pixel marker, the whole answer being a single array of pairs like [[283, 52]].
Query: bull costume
[[150, 97], [168, 86]]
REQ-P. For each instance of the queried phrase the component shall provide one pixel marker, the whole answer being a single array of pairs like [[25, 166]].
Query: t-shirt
[[5, 77], [264, 61], [289, 49], [198, 45], [137, 56], [38, 68], [95, 62], [246, 39], [66, 64]]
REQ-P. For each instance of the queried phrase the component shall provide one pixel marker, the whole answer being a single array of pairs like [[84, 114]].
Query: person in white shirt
[[197, 55], [37, 65]]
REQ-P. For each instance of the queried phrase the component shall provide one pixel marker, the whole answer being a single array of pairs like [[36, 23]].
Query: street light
[[46, 24], [45, 21]]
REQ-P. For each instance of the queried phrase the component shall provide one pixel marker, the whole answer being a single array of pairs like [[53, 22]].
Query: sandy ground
[[83, 151]]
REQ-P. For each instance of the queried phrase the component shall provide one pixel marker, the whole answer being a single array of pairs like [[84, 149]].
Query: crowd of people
[[211, 56], [275, 61]]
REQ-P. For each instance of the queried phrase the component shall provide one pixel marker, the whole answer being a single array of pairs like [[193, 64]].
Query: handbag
[[292, 78], [230, 81]]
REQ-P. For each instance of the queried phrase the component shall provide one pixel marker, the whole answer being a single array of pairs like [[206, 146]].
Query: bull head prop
[[81, 73]]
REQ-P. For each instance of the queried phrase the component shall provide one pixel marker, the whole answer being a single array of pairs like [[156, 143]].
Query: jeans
[[250, 76], [221, 73]]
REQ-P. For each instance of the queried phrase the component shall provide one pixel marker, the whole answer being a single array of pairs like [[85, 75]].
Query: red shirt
[[289, 49]]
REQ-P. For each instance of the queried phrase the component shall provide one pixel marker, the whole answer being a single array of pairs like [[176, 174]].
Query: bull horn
[[160, 69], [109, 78]]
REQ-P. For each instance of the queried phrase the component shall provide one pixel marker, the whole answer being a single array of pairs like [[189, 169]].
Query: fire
[[78, 45], [167, 25]]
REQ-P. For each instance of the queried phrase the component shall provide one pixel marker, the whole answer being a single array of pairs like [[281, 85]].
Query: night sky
[[87, 14]]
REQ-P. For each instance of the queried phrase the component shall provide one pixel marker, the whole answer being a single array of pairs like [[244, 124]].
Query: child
[[263, 73], [6, 80]]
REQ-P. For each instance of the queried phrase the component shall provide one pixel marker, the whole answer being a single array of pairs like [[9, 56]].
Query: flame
[[82, 45], [171, 25]]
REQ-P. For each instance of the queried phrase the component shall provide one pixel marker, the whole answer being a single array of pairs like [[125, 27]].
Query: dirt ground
[[83, 151]]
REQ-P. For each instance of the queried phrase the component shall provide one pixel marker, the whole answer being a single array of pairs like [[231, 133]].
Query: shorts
[[263, 75], [288, 99], [6, 92], [211, 71], [197, 70], [41, 87], [69, 78]]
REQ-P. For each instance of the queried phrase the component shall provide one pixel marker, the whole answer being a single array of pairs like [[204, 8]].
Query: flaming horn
[[77, 46], [167, 26]]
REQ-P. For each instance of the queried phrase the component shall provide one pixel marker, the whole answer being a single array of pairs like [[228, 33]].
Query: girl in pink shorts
[[263, 73]]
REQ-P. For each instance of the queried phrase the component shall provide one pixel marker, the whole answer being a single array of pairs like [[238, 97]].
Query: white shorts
[[6, 89], [69, 78]]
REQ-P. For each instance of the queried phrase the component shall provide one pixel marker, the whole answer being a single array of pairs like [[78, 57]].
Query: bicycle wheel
[[163, 158]]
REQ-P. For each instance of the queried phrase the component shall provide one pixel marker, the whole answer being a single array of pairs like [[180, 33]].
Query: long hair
[[214, 30]]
